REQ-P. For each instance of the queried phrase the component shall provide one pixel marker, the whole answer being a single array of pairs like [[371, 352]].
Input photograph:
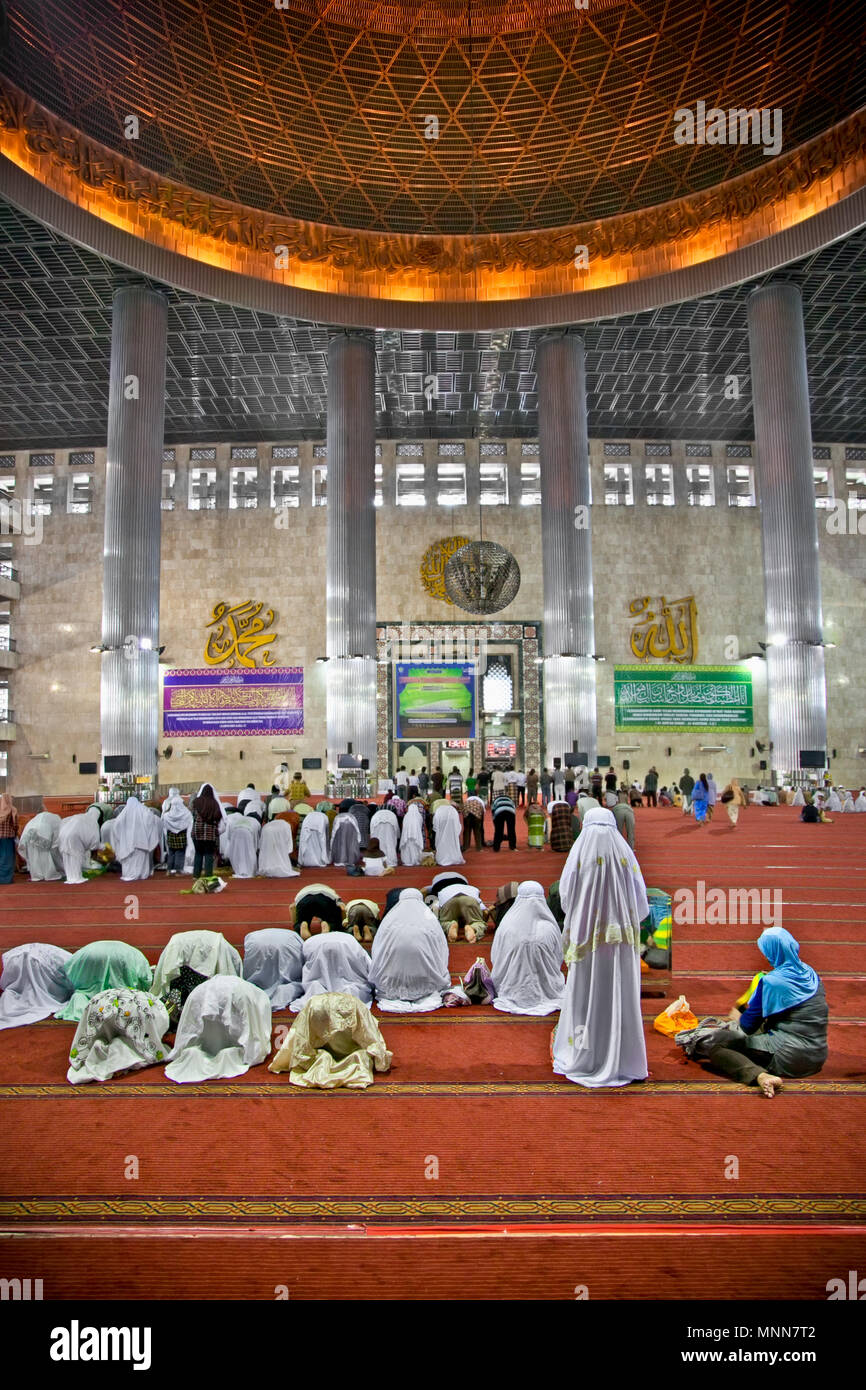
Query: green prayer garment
[[103, 965], [536, 821]]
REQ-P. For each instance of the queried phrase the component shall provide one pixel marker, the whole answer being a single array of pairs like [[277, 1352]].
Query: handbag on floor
[[478, 983], [696, 1042]]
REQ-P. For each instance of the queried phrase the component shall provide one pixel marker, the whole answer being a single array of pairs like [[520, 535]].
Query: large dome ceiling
[[548, 115]]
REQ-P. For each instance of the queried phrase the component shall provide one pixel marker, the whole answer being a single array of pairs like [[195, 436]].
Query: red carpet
[[540, 1184]]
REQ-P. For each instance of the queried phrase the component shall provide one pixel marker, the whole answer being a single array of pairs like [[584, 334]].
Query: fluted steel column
[[566, 538], [351, 592], [796, 687], [130, 694]]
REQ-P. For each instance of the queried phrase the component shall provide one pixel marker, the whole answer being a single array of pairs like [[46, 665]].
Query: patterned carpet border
[[710, 1208], [107, 1090]]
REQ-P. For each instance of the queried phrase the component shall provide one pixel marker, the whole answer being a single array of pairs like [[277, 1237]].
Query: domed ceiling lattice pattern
[[547, 115]]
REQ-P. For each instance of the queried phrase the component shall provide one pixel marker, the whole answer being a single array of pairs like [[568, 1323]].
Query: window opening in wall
[[618, 485], [741, 485], [320, 485], [494, 484], [855, 481], [451, 484], [498, 686], [530, 483], [243, 488], [825, 491], [43, 494], [378, 499], [7, 567], [80, 493], [286, 486], [168, 477], [659, 484], [410, 484], [202, 489], [701, 485]]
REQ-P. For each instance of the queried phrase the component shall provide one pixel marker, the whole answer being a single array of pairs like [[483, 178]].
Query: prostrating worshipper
[[473, 821], [412, 835], [783, 1030], [120, 1030], [504, 816], [317, 902], [624, 817], [459, 906], [526, 956], [430, 894], [135, 834], [187, 959], [225, 1029], [374, 864], [446, 829], [860, 803], [8, 835], [313, 842], [362, 918], [176, 828], [273, 960], [585, 803], [334, 1042], [240, 844], [248, 792], [833, 802], [102, 965], [504, 900], [298, 789], [78, 837], [386, 828], [536, 824], [345, 838], [409, 958], [599, 1039], [561, 832], [701, 799], [732, 798], [334, 963], [275, 850], [34, 983], [39, 847], [208, 817]]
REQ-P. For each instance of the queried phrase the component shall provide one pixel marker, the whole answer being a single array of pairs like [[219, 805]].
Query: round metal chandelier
[[482, 577]]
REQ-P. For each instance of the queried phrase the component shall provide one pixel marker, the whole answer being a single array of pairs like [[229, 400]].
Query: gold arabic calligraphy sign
[[238, 630], [434, 562], [667, 631]]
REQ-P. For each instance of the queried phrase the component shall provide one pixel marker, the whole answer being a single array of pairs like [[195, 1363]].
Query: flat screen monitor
[[576, 760], [813, 757], [602, 761], [347, 760], [501, 748], [311, 764], [88, 769], [117, 762]]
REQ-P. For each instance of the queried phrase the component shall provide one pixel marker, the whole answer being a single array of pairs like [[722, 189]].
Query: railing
[[8, 571]]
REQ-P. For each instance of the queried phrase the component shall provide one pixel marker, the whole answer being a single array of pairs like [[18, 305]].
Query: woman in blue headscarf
[[701, 798], [782, 1032]]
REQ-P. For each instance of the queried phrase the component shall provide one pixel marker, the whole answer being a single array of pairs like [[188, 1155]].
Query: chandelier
[[482, 577]]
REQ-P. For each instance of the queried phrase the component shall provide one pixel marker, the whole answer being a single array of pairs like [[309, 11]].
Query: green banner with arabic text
[[669, 699]]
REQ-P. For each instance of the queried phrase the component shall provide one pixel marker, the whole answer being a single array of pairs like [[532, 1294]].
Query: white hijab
[[136, 828], [860, 803], [273, 960], [275, 847], [313, 841], [412, 836], [33, 982], [224, 1029], [848, 804], [833, 802], [80, 832], [526, 956], [446, 829], [334, 963], [799, 798], [175, 816], [601, 888], [206, 952], [409, 958]]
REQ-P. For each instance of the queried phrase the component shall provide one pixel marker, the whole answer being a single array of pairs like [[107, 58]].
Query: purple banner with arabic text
[[196, 704]]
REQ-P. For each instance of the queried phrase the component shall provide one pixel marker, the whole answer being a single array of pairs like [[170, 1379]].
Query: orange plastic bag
[[675, 1018]]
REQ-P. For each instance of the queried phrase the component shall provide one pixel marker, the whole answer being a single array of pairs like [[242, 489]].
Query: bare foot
[[305, 931], [469, 933], [769, 1084], [368, 935], [323, 927], [356, 932], [452, 932]]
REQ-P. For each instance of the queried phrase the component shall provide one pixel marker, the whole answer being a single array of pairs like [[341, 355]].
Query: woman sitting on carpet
[[526, 957]]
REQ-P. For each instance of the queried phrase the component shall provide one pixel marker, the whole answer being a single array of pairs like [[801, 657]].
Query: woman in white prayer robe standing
[[77, 839], [599, 1039], [386, 829], [241, 842], [847, 805], [446, 832], [313, 841], [409, 958], [412, 836], [135, 834], [275, 848], [38, 847], [526, 956], [860, 803], [334, 963]]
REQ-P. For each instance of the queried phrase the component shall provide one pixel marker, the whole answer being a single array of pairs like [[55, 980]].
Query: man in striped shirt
[[504, 815]]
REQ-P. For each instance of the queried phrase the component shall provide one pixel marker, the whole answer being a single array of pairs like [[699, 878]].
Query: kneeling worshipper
[[362, 918], [412, 835], [860, 803], [374, 864], [335, 1042], [313, 841], [240, 844], [176, 830], [798, 798], [334, 962], [526, 956], [39, 847], [225, 1029], [446, 831], [386, 828], [275, 851], [459, 906], [317, 902], [77, 838], [135, 834], [102, 965], [120, 1030], [783, 1030], [345, 838], [599, 1039], [833, 801], [187, 959], [847, 806], [34, 983], [409, 958], [273, 960], [254, 807]]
